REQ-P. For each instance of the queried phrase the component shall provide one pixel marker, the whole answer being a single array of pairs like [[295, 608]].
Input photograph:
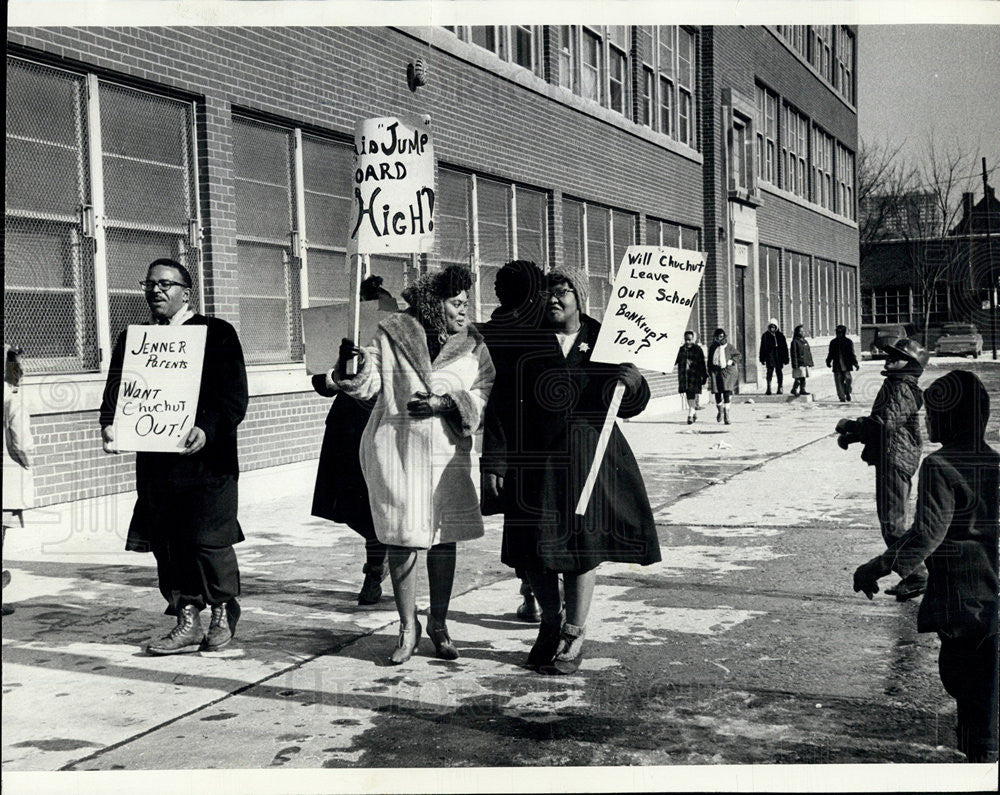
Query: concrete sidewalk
[[745, 645]]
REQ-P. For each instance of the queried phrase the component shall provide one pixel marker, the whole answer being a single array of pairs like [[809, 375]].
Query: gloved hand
[[866, 576], [849, 432], [494, 485], [424, 404], [348, 350], [629, 375]]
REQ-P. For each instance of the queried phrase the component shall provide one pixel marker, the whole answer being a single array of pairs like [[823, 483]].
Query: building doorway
[[740, 317]]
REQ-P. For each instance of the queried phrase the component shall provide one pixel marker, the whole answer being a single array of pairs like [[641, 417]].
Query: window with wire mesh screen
[[48, 283], [599, 266], [326, 171], [265, 219], [453, 218], [149, 194], [493, 200]]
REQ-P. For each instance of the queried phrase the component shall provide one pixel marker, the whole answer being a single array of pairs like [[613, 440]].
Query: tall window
[[493, 202], [767, 134], [591, 61], [739, 155], [795, 153], [796, 290], [820, 45], [453, 218], [326, 169], [770, 272], [648, 94], [845, 181], [265, 222], [845, 63], [595, 238], [75, 247], [685, 84], [618, 74], [847, 297], [824, 297], [822, 167], [568, 59]]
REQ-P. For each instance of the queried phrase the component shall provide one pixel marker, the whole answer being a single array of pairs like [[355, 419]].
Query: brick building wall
[[494, 123]]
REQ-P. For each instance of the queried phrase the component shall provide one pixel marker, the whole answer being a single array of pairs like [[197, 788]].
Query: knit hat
[[577, 279]]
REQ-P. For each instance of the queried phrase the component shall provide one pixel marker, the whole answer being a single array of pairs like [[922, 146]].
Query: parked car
[[871, 333], [959, 339]]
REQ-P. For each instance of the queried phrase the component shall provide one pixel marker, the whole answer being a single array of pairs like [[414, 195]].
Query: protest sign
[[644, 324], [158, 393], [393, 187], [649, 307]]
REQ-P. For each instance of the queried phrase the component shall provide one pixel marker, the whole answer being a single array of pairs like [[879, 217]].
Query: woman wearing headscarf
[[432, 374], [562, 399]]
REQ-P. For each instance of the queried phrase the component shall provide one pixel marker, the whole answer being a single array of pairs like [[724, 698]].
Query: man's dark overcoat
[[551, 436], [193, 495]]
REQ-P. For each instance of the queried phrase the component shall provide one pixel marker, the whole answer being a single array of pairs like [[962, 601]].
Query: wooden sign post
[[158, 394], [644, 324]]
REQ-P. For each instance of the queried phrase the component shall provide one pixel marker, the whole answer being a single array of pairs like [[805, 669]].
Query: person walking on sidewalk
[[842, 360], [563, 399], [773, 353], [341, 494], [802, 360], [891, 438], [431, 374], [18, 448], [691, 373], [723, 373], [508, 333], [955, 532], [186, 506]]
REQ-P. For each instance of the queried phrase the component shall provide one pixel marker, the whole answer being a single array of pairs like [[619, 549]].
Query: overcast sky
[[918, 80]]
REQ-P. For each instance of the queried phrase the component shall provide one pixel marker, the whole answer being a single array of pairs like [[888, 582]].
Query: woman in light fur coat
[[432, 375]]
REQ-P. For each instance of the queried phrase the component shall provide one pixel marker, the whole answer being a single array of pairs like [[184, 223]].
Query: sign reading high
[[650, 303], [393, 186]]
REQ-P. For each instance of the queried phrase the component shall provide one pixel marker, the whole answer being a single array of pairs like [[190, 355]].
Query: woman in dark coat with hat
[[562, 399]]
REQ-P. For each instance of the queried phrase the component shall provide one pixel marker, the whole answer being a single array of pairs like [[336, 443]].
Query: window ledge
[[805, 204], [67, 393], [744, 196]]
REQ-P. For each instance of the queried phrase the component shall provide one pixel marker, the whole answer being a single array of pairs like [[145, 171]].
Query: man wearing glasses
[[185, 511]]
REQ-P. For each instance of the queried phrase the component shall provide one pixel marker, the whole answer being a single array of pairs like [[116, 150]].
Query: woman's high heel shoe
[[404, 649], [438, 634]]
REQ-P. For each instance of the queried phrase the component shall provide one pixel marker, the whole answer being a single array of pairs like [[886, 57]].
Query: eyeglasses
[[148, 285], [559, 292]]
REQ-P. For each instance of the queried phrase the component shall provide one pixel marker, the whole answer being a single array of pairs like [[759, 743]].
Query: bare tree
[[883, 178]]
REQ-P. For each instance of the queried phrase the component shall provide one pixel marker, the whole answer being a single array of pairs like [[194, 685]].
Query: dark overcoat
[[801, 355], [551, 437], [691, 371], [192, 498], [773, 349], [341, 494], [955, 533], [841, 355]]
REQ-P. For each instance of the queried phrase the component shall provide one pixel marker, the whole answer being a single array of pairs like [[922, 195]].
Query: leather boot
[[546, 644], [219, 631], [371, 588], [725, 414], [527, 610], [186, 637], [570, 652]]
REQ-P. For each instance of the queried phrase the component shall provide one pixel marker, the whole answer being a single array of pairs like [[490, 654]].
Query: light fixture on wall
[[416, 74]]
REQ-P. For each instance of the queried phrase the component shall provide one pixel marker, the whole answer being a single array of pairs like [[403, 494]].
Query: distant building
[[967, 257], [230, 149]]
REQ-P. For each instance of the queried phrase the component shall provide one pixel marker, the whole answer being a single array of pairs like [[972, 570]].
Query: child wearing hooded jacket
[[955, 532], [891, 438]]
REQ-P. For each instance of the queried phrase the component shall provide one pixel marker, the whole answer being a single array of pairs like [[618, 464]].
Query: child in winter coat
[[802, 360], [891, 437], [955, 532]]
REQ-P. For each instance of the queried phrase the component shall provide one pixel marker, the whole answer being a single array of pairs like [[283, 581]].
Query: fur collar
[[410, 338]]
